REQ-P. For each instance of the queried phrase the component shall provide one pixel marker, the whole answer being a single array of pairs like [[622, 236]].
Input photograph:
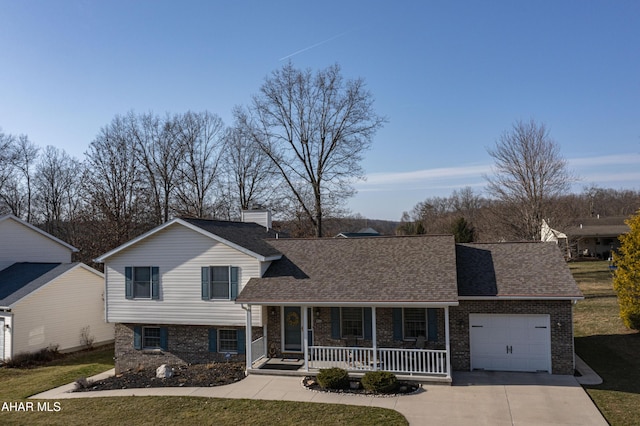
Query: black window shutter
[[335, 323], [368, 333], [205, 283], [213, 340], [234, 282], [155, 282], [164, 338], [128, 282], [397, 323], [242, 341], [432, 318], [137, 337]]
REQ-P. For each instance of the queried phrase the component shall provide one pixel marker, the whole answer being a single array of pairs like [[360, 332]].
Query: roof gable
[[248, 238], [38, 230], [419, 269]]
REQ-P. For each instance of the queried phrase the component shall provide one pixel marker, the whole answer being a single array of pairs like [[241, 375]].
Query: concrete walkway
[[478, 398]]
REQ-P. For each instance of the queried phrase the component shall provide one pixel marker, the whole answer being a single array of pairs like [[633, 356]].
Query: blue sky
[[451, 76]]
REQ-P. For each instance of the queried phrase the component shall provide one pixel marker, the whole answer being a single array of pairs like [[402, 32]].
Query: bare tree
[[55, 184], [160, 154], [200, 136], [250, 171], [315, 128], [113, 183], [6, 160], [25, 154], [528, 174]]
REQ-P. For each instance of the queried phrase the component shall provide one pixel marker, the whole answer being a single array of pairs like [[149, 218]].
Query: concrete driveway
[[498, 398], [475, 398]]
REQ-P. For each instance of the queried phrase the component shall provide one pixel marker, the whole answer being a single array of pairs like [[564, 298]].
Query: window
[[151, 337], [227, 340], [142, 282], [220, 288], [414, 323], [219, 282], [352, 322]]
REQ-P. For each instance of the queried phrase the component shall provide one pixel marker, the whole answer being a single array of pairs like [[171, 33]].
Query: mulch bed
[[404, 388], [195, 375]]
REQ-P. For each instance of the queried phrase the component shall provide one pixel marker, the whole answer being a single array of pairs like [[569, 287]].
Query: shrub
[[333, 378], [86, 338], [27, 359], [379, 381]]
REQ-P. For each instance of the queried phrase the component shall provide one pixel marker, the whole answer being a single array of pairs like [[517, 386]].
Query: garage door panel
[[510, 342]]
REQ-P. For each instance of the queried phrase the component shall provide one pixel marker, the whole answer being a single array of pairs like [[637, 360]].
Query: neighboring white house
[[171, 292], [45, 299]]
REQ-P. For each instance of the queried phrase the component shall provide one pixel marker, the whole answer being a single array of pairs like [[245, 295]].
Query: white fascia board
[[356, 304], [521, 297], [197, 229], [39, 231]]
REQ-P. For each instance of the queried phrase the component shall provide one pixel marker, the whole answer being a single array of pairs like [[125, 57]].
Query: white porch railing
[[403, 361], [258, 349]]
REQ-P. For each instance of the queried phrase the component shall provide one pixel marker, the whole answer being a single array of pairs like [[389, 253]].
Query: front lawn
[[17, 384], [604, 343]]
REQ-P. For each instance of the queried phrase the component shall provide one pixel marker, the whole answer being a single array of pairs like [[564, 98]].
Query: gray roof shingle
[[531, 269], [251, 236], [20, 279], [360, 270]]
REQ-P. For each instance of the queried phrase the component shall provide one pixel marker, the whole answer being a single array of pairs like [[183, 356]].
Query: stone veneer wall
[[561, 320], [186, 344]]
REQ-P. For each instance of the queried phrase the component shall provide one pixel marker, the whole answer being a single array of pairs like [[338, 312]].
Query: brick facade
[[561, 320], [186, 344]]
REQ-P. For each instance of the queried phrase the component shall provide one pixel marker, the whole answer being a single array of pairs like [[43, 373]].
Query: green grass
[[607, 345], [17, 384]]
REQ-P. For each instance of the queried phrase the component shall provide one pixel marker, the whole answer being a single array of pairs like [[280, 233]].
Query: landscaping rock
[[164, 372]]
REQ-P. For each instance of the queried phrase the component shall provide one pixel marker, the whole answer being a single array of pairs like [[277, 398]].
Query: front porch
[[321, 345]]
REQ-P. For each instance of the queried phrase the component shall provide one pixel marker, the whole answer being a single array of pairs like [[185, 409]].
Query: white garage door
[[510, 342]]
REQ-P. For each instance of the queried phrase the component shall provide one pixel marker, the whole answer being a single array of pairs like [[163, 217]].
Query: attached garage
[[510, 342]]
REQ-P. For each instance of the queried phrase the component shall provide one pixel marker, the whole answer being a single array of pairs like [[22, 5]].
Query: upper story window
[[142, 282], [219, 282]]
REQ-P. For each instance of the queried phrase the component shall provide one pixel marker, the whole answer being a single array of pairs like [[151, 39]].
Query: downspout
[[446, 337], [248, 355]]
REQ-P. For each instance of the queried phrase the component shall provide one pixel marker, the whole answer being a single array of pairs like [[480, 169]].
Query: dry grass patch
[[607, 345]]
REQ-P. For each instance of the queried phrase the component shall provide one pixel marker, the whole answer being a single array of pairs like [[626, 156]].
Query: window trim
[[426, 325], [362, 326], [211, 283], [144, 338], [130, 283], [134, 281], [219, 340]]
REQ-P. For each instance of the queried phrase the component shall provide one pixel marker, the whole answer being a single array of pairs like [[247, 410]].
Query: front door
[[292, 329]]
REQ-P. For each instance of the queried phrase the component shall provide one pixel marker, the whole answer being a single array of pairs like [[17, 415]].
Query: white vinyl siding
[[180, 254], [56, 313], [28, 245]]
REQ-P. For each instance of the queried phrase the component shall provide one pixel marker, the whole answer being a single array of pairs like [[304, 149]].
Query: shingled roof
[[251, 236], [531, 269], [408, 270], [611, 226], [22, 278]]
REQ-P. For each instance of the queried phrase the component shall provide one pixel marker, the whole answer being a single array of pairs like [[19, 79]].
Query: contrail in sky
[[312, 46]]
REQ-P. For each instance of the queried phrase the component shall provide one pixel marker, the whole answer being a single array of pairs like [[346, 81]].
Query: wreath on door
[[293, 318]]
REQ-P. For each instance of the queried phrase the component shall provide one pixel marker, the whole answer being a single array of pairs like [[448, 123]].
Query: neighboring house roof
[[248, 238], [599, 226], [38, 230], [365, 232], [518, 270], [417, 269], [22, 278]]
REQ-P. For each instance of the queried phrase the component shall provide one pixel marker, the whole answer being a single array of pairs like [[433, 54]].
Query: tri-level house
[[199, 291], [46, 300]]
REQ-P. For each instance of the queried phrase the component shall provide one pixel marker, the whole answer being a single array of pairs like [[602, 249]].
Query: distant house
[[45, 299], [195, 291], [592, 237], [365, 232]]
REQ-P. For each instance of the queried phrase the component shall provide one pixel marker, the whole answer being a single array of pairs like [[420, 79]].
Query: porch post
[[446, 336], [374, 337], [305, 337], [248, 354]]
